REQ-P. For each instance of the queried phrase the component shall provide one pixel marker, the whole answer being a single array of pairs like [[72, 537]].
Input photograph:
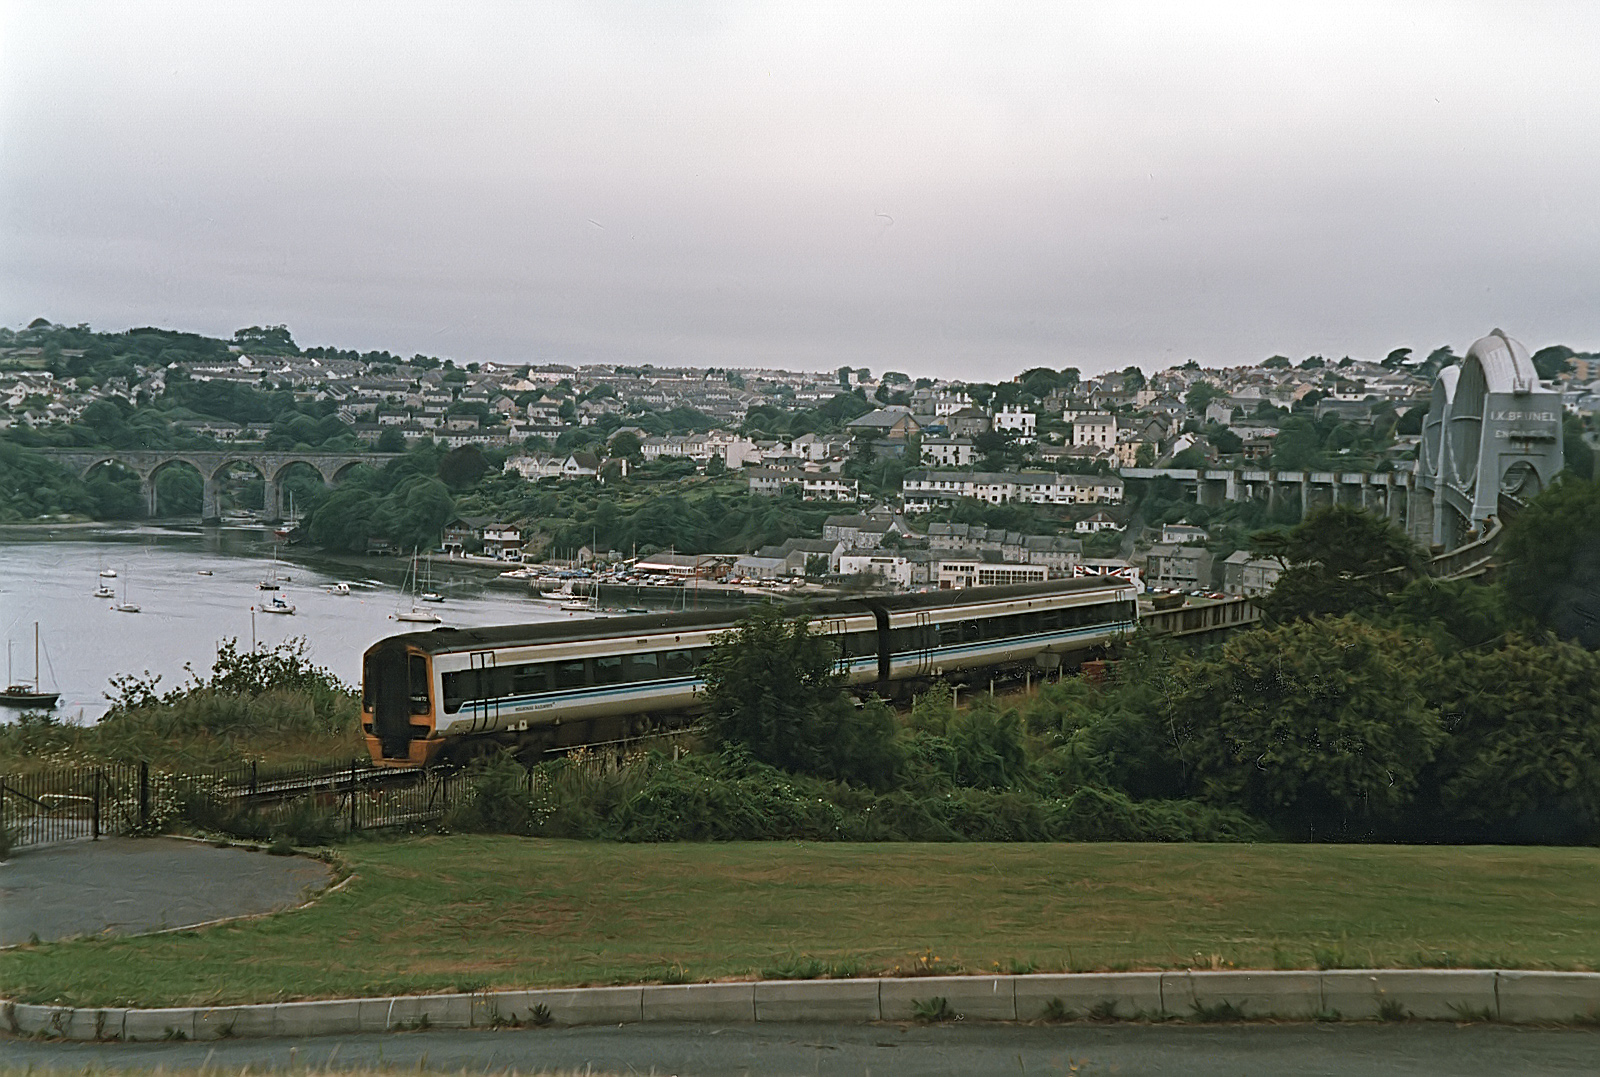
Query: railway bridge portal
[[1492, 429], [1492, 432]]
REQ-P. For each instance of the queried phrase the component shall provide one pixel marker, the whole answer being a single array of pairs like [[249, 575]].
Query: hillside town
[[894, 454]]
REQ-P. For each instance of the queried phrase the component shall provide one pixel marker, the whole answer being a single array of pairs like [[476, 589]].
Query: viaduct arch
[[148, 464]]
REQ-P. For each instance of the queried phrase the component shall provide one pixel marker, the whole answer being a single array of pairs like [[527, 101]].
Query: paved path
[[129, 885], [888, 1050]]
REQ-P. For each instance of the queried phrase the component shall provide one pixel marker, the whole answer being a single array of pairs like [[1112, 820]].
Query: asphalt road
[[132, 885], [884, 1051]]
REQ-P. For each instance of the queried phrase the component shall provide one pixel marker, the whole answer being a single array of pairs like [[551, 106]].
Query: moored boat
[[25, 694]]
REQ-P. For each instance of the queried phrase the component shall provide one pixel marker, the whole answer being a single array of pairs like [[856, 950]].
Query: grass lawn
[[469, 913]]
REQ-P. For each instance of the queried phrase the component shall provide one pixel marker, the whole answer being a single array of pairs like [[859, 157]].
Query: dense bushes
[[728, 796], [770, 687], [270, 702]]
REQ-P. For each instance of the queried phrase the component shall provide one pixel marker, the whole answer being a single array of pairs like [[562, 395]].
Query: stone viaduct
[[271, 466]]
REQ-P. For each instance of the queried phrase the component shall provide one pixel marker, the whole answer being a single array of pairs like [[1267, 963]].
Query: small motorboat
[[105, 591], [277, 604], [204, 572], [109, 573], [339, 589], [267, 585], [431, 596]]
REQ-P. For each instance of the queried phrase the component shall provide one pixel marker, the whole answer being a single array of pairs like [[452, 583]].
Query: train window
[[608, 670], [455, 691], [369, 683], [640, 667], [949, 634], [1003, 628], [857, 644], [418, 678], [1050, 620], [568, 674], [970, 632], [529, 679], [677, 663]]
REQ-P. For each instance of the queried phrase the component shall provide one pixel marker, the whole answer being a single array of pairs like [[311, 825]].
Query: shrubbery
[[272, 700], [729, 796]]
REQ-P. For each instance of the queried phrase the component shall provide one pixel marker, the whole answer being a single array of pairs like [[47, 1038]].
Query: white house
[[1015, 420], [1094, 429], [947, 452], [891, 569], [1100, 521]]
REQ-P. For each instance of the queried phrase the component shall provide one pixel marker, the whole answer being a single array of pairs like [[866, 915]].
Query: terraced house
[[925, 490]]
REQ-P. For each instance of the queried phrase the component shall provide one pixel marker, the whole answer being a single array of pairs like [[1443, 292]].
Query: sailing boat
[[270, 582], [277, 604], [287, 526], [27, 695], [125, 606], [415, 613], [428, 593]]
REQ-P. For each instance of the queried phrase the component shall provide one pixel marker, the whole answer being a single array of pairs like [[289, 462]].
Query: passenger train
[[446, 694]]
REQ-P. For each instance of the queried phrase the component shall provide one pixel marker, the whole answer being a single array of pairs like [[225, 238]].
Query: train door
[[835, 631], [487, 712], [923, 639]]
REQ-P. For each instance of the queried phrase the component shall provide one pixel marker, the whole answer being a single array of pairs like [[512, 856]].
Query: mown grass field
[[470, 913]]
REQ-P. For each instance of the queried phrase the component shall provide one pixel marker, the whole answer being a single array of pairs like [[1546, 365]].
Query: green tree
[[1553, 361], [1200, 396], [391, 440], [1551, 558], [1133, 379], [771, 690], [463, 467], [1341, 560], [1298, 445], [1524, 724], [1411, 421], [1277, 362], [269, 339], [1396, 359], [628, 446], [1317, 723], [1575, 450]]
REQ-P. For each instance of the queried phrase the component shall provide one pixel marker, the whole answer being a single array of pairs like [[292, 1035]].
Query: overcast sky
[[960, 190]]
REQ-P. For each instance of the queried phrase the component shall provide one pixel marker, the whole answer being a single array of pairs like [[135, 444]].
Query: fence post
[[352, 796], [97, 804], [252, 777], [144, 792]]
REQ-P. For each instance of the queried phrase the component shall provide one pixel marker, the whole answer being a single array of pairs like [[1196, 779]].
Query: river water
[[184, 614]]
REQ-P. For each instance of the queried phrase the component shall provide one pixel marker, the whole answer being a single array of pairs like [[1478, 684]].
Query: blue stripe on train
[[867, 663]]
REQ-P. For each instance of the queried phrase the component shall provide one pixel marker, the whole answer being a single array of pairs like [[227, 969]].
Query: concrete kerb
[[1350, 994]]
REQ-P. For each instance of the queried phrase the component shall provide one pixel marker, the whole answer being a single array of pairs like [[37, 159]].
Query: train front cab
[[397, 706]]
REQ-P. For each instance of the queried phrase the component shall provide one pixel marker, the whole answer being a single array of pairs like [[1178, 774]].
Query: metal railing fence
[[88, 802]]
